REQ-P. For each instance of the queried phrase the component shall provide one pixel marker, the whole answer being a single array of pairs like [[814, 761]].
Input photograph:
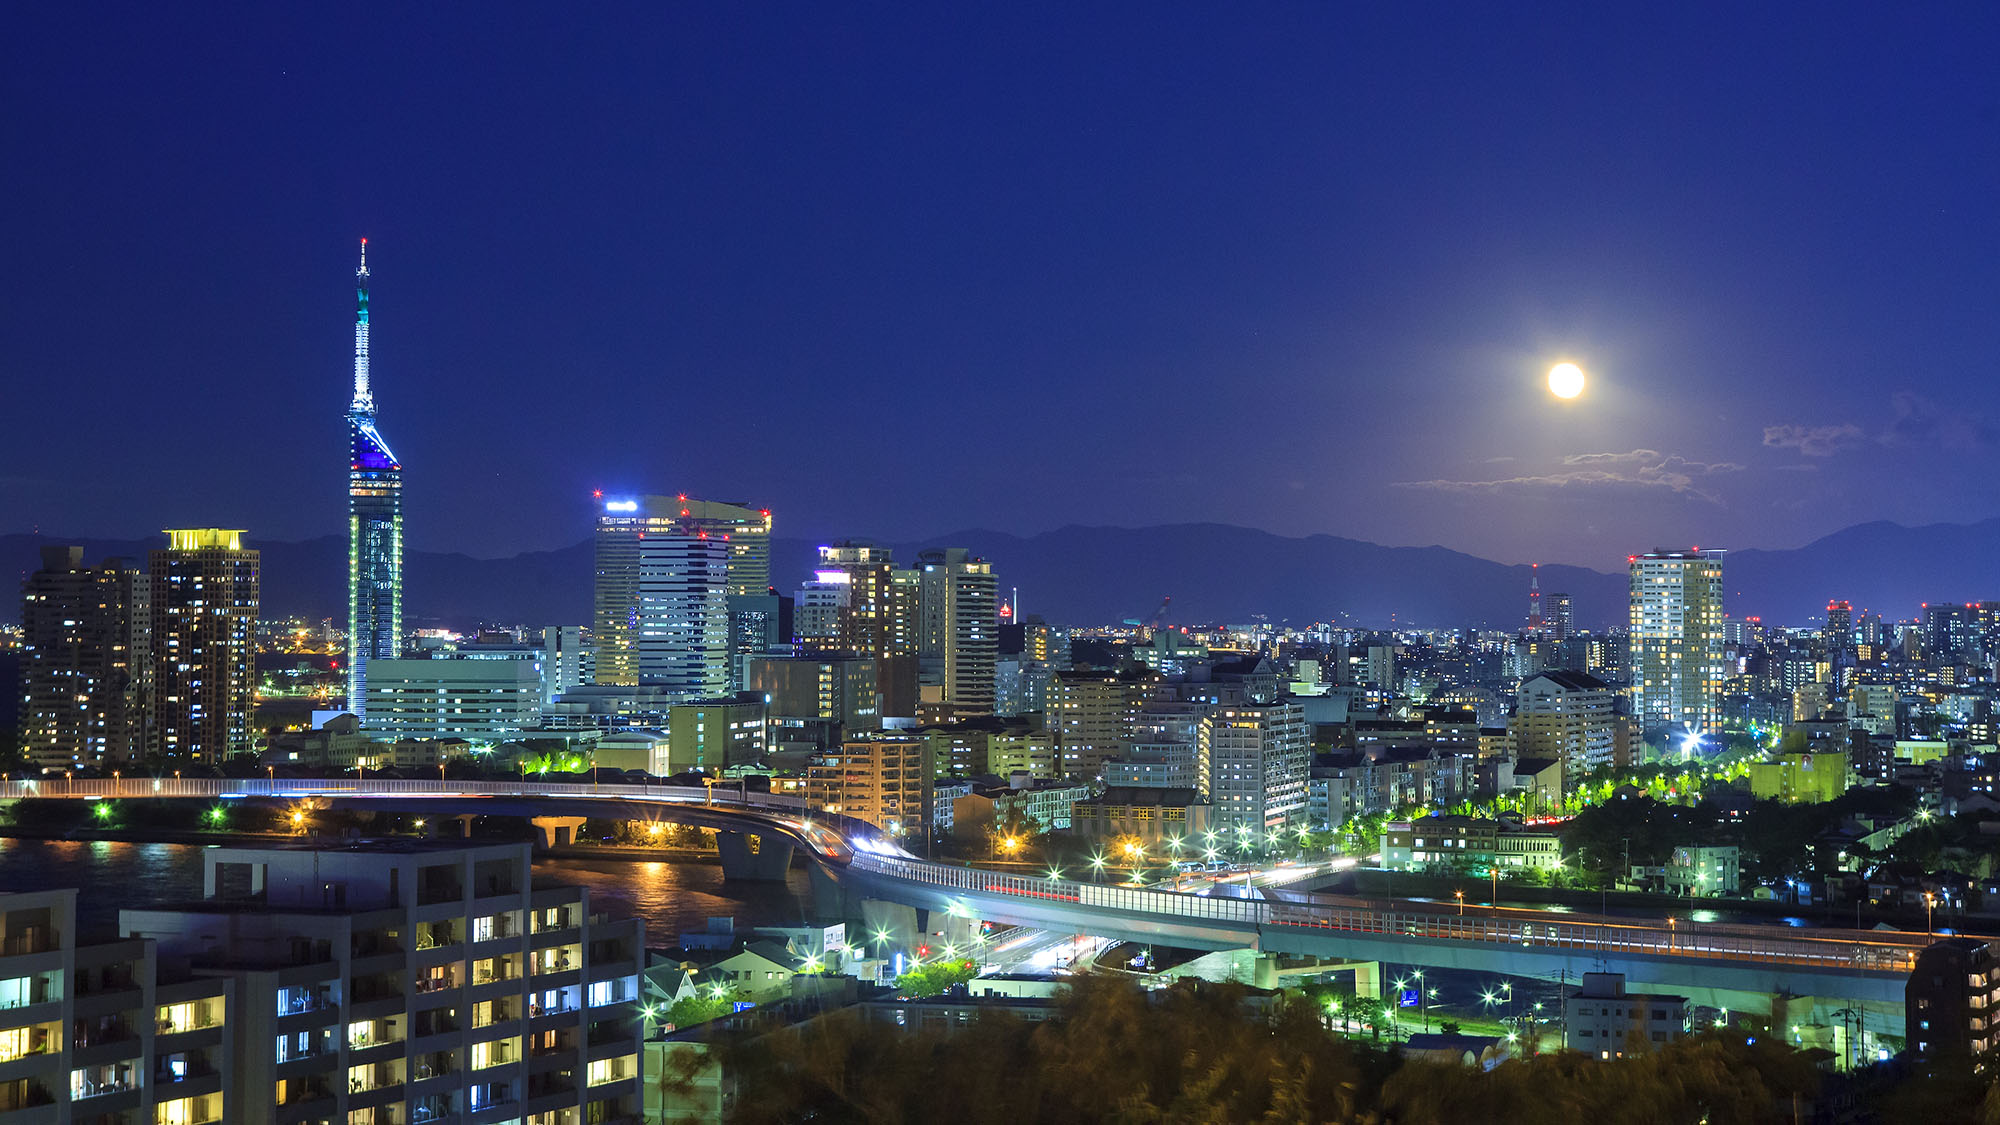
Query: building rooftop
[[1571, 680], [1146, 796]]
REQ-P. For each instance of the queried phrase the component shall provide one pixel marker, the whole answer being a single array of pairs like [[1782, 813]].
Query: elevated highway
[[1716, 964]]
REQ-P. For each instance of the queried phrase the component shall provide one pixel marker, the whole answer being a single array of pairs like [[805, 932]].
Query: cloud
[[1813, 441], [1638, 469], [1916, 420]]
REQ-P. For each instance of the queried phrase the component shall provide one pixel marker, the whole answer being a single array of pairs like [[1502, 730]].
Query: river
[[672, 898]]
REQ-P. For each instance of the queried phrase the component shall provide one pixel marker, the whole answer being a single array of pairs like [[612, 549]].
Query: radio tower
[[374, 524], [1535, 598]]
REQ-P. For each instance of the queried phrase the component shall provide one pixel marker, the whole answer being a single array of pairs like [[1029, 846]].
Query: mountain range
[[1213, 572]]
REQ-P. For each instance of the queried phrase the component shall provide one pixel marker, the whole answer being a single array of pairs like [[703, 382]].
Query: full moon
[[1566, 380]]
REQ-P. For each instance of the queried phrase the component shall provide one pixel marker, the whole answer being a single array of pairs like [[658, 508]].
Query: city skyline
[[1032, 274]]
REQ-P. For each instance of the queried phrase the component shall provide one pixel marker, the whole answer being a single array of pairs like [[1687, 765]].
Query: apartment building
[[399, 983]]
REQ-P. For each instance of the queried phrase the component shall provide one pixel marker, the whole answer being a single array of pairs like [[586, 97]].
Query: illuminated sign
[[621, 505]]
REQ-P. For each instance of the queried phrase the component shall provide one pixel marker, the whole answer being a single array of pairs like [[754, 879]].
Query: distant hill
[[1214, 572]]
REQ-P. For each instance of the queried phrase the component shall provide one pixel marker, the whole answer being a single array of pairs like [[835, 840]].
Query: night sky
[[896, 271]]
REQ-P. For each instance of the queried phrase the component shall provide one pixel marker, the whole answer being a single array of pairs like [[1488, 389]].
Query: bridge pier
[[465, 825], [555, 830], [893, 920], [832, 901], [751, 857]]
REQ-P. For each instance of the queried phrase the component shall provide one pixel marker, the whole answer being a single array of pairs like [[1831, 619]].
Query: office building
[[1676, 640], [1092, 715], [566, 661], [1258, 756], [1560, 622], [816, 700], [624, 524], [759, 625], [884, 779], [1165, 749], [404, 982], [1951, 1002], [455, 696], [1571, 716], [959, 632], [683, 618], [862, 570], [203, 589], [86, 662], [1837, 636], [374, 523], [710, 735], [1604, 1020]]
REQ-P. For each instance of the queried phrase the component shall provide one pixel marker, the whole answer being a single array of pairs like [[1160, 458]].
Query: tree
[[706, 1004], [1013, 833], [935, 978]]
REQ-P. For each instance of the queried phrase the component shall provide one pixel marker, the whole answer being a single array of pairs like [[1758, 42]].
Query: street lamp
[[1929, 901], [1461, 902]]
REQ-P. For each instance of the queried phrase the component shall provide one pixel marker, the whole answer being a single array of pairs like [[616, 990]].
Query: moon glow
[[1566, 380]]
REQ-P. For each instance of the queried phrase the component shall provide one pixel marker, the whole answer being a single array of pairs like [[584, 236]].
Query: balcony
[[32, 940]]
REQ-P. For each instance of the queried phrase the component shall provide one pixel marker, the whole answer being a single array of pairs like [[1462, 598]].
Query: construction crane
[[1159, 615]]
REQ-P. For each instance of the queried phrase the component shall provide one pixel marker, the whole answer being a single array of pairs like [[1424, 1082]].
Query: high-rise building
[[759, 625], [863, 620], [959, 627], [1838, 636], [1093, 714], [624, 523], [1950, 632], [566, 661], [1676, 639], [374, 523], [1571, 716], [816, 699], [683, 620], [1561, 620], [203, 590], [1258, 756], [86, 662]]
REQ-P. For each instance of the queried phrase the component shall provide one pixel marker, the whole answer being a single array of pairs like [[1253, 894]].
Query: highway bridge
[[1804, 975]]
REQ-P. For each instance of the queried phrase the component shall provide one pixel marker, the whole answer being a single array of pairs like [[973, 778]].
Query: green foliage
[[554, 761], [703, 1006], [1195, 1053], [935, 978]]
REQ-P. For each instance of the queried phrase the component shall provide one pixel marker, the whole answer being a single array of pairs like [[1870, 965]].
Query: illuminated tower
[[374, 523], [1535, 598]]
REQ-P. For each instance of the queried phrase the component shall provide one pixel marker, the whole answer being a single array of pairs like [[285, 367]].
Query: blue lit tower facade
[[374, 523]]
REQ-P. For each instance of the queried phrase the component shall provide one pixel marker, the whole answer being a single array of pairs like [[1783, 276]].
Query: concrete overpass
[[1799, 975]]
